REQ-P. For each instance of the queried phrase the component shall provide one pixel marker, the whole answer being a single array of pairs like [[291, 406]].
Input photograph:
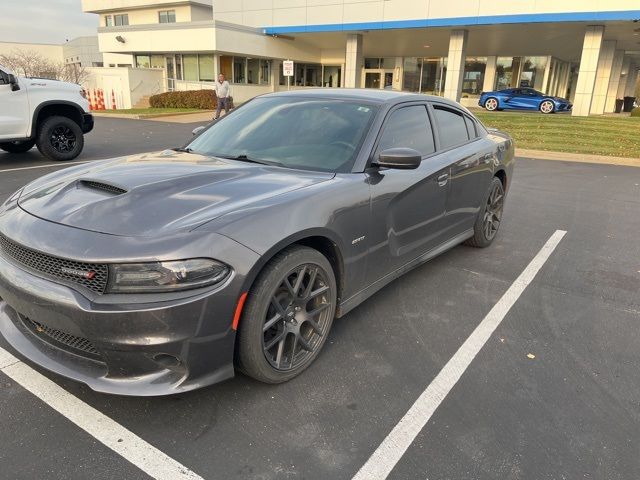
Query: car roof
[[367, 94]]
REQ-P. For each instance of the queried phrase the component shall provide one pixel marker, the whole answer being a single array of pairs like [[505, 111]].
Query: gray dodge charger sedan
[[164, 272]]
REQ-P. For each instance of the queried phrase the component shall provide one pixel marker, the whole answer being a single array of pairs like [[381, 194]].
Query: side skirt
[[350, 303]]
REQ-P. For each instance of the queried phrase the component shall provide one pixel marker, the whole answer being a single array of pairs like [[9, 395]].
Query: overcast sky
[[44, 21]]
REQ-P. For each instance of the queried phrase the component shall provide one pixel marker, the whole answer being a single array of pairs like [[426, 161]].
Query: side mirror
[[13, 81], [198, 130], [399, 158]]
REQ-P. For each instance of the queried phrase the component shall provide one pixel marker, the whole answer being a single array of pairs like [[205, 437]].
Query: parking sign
[[287, 68]]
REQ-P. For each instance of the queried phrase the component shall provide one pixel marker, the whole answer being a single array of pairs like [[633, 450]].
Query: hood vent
[[105, 187]]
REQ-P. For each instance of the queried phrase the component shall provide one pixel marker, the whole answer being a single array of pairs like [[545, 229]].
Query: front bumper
[[87, 123], [120, 344]]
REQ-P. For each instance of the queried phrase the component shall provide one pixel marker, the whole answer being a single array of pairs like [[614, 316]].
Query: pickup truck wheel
[[18, 147], [60, 139], [489, 216]]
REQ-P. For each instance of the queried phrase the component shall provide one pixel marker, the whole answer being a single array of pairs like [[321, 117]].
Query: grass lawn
[[151, 111], [612, 136]]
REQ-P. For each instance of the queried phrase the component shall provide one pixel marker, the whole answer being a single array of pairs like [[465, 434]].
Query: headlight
[[166, 276], [83, 93]]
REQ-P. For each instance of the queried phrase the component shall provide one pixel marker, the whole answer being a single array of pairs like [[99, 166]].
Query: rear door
[[14, 110], [407, 206], [472, 156]]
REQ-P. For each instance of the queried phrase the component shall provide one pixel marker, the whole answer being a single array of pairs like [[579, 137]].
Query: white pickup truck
[[50, 114]]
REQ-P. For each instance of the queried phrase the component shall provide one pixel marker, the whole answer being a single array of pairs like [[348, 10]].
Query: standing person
[[222, 94]]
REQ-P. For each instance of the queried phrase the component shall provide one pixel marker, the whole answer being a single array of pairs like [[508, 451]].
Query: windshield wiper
[[182, 149], [246, 158]]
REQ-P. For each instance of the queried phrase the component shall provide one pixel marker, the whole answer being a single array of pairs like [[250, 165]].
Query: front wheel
[[491, 104], [288, 315], [547, 106], [60, 139], [18, 147], [489, 217]]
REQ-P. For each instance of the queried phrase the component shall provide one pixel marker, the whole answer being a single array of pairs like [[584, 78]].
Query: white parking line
[[122, 441], [48, 165], [391, 450]]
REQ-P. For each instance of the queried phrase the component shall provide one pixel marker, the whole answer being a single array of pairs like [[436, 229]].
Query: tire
[[491, 104], [547, 107], [18, 147], [60, 139], [491, 212], [275, 344]]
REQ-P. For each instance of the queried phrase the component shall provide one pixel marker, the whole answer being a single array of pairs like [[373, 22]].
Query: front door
[[378, 78], [171, 73], [407, 206], [14, 110]]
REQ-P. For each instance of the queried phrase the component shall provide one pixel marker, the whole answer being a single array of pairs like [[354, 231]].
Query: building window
[[179, 67], [425, 75], [190, 67], [265, 72], [506, 72], [143, 61], [532, 74], [121, 20], [331, 76], [157, 61], [387, 63], [226, 66], [206, 67], [108, 21], [473, 79], [239, 70], [258, 71], [167, 16]]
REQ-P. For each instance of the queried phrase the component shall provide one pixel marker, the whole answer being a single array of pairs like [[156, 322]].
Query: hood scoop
[[105, 187]]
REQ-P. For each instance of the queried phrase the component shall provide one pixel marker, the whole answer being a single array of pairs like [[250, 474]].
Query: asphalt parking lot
[[553, 394]]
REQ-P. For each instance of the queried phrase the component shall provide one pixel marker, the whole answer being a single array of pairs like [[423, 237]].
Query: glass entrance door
[[380, 79], [171, 73]]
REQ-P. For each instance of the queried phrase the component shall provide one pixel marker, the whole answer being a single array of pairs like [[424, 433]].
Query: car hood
[[150, 194]]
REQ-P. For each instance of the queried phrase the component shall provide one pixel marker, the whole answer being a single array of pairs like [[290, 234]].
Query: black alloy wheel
[[288, 315], [493, 211], [63, 139], [297, 318], [489, 217]]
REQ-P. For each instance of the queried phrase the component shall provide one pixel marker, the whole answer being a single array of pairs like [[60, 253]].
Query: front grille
[[104, 187], [58, 338], [68, 270]]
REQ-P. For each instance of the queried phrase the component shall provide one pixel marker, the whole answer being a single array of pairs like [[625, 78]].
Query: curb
[[143, 116], [577, 157]]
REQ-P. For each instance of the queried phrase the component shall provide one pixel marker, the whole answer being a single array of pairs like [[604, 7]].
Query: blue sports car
[[523, 99]]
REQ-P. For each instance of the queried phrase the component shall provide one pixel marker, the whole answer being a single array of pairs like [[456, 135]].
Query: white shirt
[[222, 89]]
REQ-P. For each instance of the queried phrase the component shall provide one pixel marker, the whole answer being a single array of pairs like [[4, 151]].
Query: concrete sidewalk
[[577, 157]]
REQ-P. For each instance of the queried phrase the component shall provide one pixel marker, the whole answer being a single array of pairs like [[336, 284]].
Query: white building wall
[[268, 13]]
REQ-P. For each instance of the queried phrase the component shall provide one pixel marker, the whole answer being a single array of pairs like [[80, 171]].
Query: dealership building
[[585, 50]]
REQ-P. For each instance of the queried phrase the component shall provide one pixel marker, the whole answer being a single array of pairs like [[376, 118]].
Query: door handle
[[443, 179]]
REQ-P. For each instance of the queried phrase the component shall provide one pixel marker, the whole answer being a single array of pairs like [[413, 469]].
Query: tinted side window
[[452, 129], [471, 127], [408, 127]]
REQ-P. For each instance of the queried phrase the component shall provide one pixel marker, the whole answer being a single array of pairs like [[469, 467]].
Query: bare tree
[[32, 64]]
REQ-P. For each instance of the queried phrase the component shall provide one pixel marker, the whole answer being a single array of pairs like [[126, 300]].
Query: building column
[[603, 74], [588, 68], [624, 75], [564, 85], [614, 81], [632, 79], [545, 77], [276, 65], [489, 74], [354, 61], [455, 64]]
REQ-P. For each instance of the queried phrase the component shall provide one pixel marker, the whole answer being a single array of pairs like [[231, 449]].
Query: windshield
[[311, 134]]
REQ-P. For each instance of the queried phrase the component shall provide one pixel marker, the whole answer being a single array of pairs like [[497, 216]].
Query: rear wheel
[[489, 217], [288, 315], [547, 106], [60, 139], [18, 147], [491, 104]]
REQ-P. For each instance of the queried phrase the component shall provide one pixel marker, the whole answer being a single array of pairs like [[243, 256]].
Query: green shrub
[[203, 99], [635, 112]]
